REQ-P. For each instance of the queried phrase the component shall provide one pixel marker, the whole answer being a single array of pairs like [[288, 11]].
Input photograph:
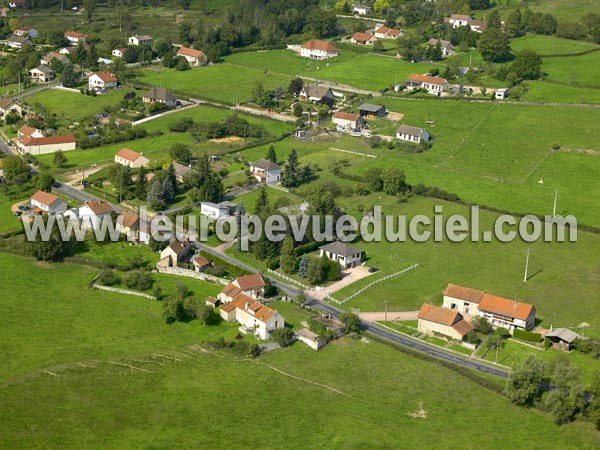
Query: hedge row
[[231, 268], [527, 335]]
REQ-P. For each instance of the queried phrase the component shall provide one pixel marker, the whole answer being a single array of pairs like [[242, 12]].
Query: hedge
[[227, 266], [527, 335]]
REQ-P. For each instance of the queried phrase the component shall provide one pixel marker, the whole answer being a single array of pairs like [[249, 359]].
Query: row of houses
[[462, 302]]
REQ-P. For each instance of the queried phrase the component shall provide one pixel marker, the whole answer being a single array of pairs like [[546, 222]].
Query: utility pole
[[385, 317], [555, 199], [526, 265]]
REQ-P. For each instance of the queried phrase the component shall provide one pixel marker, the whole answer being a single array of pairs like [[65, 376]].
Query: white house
[[31, 33], [18, 42], [362, 9], [433, 320], [118, 52], [195, 58], [8, 106], [363, 38], [458, 20], [140, 40], [42, 74], [253, 317], [446, 46], [316, 49], [265, 171], [102, 80], [91, 213], [217, 210], [68, 50], [412, 134], [387, 33], [131, 158], [310, 338], [33, 142], [316, 93], [252, 285], [345, 121], [48, 202], [507, 313], [433, 85], [342, 252], [75, 37], [159, 95]]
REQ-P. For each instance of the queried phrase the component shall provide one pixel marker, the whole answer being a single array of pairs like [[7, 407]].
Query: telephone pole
[[555, 199], [526, 265]]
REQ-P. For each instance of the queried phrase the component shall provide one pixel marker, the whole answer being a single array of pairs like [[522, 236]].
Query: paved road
[[82, 196], [395, 338]]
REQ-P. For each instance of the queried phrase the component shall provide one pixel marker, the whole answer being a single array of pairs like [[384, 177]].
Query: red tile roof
[[106, 76], [45, 198], [463, 293], [346, 116], [257, 309], [315, 44], [48, 140], [128, 154], [26, 130], [439, 315], [417, 78], [231, 290], [505, 307], [200, 261], [99, 206], [130, 219], [186, 51], [253, 281], [75, 34], [361, 37]]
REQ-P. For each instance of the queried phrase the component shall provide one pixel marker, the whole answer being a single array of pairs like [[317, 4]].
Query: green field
[[571, 11], [550, 45], [545, 91], [365, 71], [221, 82], [575, 70], [74, 106], [63, 385]]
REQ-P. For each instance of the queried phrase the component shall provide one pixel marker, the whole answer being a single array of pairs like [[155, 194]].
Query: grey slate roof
[[160, 94], [370, 108], [180, 169], [340, 248], [564, 334], [312, 90], [265, 164], [407, 129]]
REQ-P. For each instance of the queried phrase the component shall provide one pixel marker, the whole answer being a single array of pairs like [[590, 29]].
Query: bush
[[108, 278], [142, 281], [283, 336], [527, 335]]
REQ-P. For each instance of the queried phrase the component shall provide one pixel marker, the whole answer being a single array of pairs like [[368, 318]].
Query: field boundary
[[122, 291]]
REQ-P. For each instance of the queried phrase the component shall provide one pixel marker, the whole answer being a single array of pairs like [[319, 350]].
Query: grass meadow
[[550, 45], [63, 385]]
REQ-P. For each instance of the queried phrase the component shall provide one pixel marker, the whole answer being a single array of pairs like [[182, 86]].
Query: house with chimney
[[91, 213], [130, 158], [102, 81], [433, 85], [346, 255], [195, 58], [408, 133]]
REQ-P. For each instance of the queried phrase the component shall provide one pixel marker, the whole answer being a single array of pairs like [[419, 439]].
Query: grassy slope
[[571, 11], [115, 406], [74, 106], [550, 45], [578, 70]]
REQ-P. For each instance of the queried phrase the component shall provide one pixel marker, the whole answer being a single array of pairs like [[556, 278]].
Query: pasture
[[571, 11], [222, 82], [579, 70], [550, 45], [562, 283], [71, 358]]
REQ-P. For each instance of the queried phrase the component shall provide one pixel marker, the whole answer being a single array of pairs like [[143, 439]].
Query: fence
[[192, 274], [122, 291], [371, 284], [290, 279]]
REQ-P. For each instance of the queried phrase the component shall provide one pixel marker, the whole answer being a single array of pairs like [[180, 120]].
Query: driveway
[[349, 276]]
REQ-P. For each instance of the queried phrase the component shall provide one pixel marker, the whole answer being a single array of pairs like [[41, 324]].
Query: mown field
[[550, 45], [575, 70], [571, 11], [221, 82], [59, 388], [71, 105]]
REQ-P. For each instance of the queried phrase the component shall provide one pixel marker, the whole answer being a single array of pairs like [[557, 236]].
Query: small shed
[[501, 94], [562, 338]]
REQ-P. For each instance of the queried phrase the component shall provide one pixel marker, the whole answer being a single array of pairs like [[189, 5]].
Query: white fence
[[290, 279], [179, 271], [371, 284]]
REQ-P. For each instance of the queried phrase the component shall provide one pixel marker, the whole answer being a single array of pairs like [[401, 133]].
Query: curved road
[[405, 341]]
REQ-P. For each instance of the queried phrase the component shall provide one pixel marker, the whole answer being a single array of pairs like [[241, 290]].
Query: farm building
[[412, 134], [253, 317], [252, 285], [217, 210], [435, 320], [317, 49], [181, 171], [501, 94], [140, 40], [310, 338], [362, 9], [462, 299], [375, 111], [200, 263], [18, 42], [346, 255], [177, 251], [562, 338], [387, 33]]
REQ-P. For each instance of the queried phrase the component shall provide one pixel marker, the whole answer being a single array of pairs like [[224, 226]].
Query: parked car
[[23, 208], [18, 213], [373, 269]]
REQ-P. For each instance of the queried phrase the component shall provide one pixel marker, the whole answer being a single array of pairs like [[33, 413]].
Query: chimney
[[246, 306]]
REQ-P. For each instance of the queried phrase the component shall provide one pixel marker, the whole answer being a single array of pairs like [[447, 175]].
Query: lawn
[[117, 253], [221, 82], [550, 45], [8, 222], [63, 385], [71, 105]]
